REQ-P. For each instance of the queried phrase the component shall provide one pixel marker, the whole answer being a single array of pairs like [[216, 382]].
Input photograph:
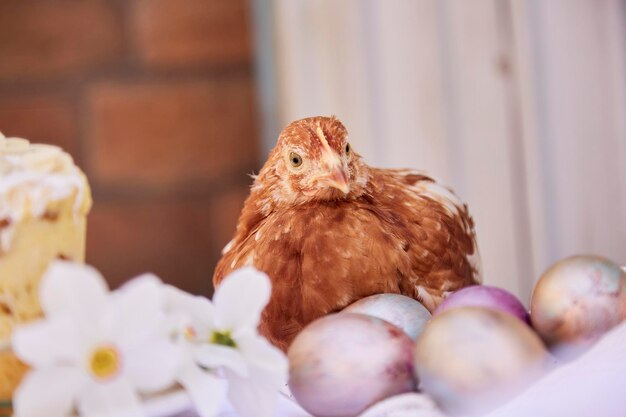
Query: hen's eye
[[295, 159], [347, 148]]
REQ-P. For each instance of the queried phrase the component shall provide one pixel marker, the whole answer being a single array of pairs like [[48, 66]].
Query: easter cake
[[44, 201]]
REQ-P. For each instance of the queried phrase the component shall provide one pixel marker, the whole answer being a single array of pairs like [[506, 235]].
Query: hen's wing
[[249, 221], [271, 243], [436, 231]]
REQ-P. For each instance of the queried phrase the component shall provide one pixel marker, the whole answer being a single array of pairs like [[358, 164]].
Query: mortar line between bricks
[[137, 75], [192, 191], [124, 10]]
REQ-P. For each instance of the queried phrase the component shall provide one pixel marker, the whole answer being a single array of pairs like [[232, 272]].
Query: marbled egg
[[578, 299], [343, 363], [468, 353], [404, 312], [485, 296]]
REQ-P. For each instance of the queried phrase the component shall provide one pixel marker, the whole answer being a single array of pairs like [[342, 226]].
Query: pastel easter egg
[[578, 299], [343, 363], [404, 312], [468, 352]]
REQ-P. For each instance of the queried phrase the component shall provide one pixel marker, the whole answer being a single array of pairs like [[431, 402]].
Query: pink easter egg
[[341, 364]]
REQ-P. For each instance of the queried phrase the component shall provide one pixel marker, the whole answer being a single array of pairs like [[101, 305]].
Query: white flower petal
[[214, 356], [199, 309], [262, 354], [77, 289], [114, 399], [49, 342], [241, 297], [153, 365], [48, 392], [252, 397], [135, 311], [207, 391], [174, 326]]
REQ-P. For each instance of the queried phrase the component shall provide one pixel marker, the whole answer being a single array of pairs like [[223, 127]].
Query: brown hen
[[329, 230]]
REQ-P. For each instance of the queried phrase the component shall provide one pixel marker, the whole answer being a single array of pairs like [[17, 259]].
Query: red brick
[[171, 33], [171, 239], [225, 210], [44, 39], [42, 119], [175, 134]]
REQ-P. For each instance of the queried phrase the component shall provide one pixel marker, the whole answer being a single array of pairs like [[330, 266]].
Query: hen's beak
[[339, 180], [336, 176]]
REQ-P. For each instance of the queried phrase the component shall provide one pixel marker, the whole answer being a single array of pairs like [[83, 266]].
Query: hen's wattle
[[330, 230]]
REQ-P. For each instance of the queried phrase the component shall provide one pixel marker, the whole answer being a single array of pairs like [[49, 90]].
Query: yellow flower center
[[104, 362], [223, 338]]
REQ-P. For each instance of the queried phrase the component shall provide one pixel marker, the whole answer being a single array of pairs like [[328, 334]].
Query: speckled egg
[[488, 297], [343, 363], [578, 299], [404, 312], [466, 353]]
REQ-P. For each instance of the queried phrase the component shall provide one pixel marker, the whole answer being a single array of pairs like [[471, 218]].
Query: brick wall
[[155, 101]]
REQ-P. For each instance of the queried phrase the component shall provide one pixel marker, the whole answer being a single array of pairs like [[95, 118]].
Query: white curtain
[[519, 105]]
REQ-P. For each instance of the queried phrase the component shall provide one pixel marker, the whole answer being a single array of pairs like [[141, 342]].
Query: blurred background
[[168, 105]]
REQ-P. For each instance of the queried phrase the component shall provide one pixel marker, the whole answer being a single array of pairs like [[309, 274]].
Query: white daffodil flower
[[94, 351], [222, 336]]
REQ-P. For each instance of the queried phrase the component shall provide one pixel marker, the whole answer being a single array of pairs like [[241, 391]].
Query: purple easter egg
[[488, 297]]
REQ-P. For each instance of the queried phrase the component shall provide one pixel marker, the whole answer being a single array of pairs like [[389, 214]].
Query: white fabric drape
[[520, 105]]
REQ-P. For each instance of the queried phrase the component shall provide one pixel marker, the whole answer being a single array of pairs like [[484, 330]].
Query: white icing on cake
[[32, 176]]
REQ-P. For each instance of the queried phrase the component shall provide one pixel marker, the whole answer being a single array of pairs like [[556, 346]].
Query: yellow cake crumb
[[44, 201]]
